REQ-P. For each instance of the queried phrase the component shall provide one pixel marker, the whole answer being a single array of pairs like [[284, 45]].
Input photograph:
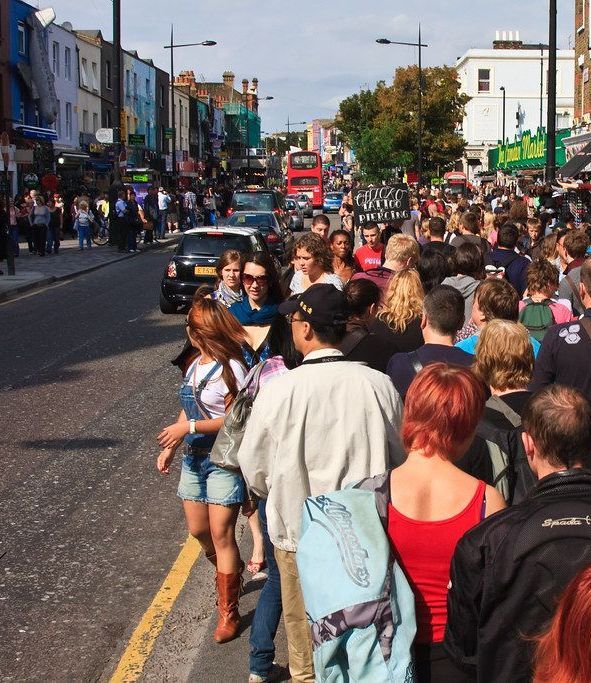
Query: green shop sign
[[529, 152]]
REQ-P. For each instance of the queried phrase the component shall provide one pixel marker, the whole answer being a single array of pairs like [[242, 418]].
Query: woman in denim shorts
[[211, 495]]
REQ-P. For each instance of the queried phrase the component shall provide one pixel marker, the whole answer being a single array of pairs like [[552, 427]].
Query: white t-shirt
[[297, 282], [215, 390]]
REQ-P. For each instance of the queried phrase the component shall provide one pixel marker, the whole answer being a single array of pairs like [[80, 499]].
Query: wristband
[[192, 427]]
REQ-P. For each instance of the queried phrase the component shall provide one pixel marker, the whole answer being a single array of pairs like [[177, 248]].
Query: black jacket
[[508, 572]]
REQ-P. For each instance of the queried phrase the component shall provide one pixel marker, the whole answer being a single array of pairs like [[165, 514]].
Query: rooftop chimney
[[244, 86], [228, 77], [507, 40]]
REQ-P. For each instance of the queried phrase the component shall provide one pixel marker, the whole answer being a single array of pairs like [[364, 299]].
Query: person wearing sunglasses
[[258, 308]]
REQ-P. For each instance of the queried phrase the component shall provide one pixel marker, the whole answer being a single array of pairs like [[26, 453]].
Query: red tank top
[[424, 550]]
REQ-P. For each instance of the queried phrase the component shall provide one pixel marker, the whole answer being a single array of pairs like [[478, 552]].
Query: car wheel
[[165, 305]]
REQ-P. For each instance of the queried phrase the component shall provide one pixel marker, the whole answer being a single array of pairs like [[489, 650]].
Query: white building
[[518, 68], [89, 88]]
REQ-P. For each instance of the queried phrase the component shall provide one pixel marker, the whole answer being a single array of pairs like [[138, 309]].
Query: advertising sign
[[104, 136], [381, 204]]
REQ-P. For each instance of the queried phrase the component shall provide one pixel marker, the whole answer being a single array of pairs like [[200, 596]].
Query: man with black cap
[[315, 429]]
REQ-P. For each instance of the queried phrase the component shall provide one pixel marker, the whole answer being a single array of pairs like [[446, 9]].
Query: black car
[[261, 200], [194, 260], [267, 224]]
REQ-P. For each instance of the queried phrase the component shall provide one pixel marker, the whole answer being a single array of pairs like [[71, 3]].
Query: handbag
[[227, 444]]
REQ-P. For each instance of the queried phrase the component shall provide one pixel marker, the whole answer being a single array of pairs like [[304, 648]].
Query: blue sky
[[310, 54]]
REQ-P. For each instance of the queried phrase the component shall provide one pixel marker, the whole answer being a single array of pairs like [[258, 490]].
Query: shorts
[[203, 482]]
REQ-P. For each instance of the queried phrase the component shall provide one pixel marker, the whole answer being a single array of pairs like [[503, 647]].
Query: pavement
[[34, 271]]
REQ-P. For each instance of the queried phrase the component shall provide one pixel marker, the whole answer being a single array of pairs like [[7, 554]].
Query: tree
[[378, 152], [278, 143], [443, 111], [357, 113]]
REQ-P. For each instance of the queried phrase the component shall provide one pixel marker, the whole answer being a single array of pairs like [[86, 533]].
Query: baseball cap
[[322, 304]]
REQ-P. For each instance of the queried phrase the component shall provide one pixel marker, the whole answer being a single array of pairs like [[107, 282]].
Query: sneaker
[[271, 676]]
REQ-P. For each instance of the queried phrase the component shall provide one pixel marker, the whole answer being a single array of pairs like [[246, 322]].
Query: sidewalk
[[36, 271]]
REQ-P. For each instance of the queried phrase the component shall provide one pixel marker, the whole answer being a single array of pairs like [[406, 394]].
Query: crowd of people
[[440, 366]]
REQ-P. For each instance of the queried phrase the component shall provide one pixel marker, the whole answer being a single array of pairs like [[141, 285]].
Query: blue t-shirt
[[469, 345]]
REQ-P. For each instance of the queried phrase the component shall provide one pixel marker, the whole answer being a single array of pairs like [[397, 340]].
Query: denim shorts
[[204, 482]]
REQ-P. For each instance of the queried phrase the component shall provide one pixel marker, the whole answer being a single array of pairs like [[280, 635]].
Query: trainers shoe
[[271, 676]]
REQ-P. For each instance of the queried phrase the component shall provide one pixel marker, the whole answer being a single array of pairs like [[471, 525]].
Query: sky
[[311, 54]]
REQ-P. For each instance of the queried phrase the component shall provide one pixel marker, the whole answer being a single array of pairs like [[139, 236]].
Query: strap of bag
[[352, 340], [415, 361], [586, 323], [197, 390], [498, 404], [256, 378], [574, 289]]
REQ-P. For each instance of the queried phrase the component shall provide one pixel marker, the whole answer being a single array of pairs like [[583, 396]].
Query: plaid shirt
[[274, 367]]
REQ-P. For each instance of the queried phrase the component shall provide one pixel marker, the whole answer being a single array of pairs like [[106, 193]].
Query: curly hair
[[542, 277], [317, 248], [403, 301]]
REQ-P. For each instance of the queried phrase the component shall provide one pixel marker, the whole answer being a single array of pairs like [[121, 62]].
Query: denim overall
[[202, 481]]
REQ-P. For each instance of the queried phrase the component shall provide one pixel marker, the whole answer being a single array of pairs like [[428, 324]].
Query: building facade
[[519, 71], [61, 42], [139, 109], [89, 88]]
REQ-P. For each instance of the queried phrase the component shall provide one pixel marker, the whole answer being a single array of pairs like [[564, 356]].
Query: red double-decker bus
[[304, 176]]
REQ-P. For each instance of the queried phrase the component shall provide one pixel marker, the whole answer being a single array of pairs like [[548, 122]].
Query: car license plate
[[205, 270]]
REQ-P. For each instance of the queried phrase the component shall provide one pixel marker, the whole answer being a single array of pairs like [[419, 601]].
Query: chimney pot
[[244, 85]]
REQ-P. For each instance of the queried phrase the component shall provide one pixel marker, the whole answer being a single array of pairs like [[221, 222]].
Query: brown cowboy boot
[[228, 587]]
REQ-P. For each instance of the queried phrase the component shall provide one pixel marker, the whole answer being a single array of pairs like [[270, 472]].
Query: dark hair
[[470, 222], [467, 259], [329, 334], [497, 299], [360, 295], [349, 260], [437, 226], [316, 247], [228, 256], [371, 226], [321, 218], [347, 207], [508, 236], [558, 419], [518, 211], [444, 309], [542, 275], [280, 341], [433, 268], [260, 258], [576, 243]]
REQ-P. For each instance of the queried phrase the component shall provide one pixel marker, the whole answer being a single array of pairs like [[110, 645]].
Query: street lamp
[[171, 47], [502, 89], [293, 123], [551, 113], [386, 41]]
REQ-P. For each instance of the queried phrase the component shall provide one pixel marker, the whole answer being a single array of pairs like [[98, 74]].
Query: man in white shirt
[[163, 202], [328, 423]]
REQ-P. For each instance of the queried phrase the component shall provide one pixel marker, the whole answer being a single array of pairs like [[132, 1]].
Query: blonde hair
[[83, 205], [402, 248], [403, 301], [488, 224], [504, 356]]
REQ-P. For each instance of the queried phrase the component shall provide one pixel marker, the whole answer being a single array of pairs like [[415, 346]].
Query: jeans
[[84, 234], [53, 239], [268, 610], [14, 236], [192, 219], [132, 238], [161, 229]]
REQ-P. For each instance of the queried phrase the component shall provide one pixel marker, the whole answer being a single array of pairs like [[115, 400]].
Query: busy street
[[295, 327]]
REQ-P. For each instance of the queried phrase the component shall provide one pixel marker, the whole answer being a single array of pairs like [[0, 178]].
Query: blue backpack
[[358, 600]]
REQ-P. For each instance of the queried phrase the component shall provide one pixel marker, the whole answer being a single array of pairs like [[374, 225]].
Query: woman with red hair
[[433, 503], [563, 654]]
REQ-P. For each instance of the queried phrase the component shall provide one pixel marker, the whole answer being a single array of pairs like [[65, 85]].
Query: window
[[55, 51], [135, 84], [127, 82], [147, 87], [95, 124], [147, 133], [22, 38], [94, 69], [68, 64], [22, 113], [108, 75], [483, 80], [84, 72], [108, 119], [57, 126], [68, 120], [161, 95], [37, 117], [84, 121]]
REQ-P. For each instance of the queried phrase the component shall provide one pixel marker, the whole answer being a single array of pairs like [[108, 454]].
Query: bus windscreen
[[304, 161]]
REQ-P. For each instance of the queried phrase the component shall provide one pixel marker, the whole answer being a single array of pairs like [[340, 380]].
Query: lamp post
[[502, 89], [293, 123], [419, 44], [171, 47], [551, 120]]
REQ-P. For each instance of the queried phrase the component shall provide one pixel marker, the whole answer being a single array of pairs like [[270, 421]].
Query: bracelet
[[192, 427]]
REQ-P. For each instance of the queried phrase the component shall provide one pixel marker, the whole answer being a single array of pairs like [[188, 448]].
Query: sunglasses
[[248, 280]]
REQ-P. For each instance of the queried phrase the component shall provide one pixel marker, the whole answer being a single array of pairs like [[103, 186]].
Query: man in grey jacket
[[316, 429]]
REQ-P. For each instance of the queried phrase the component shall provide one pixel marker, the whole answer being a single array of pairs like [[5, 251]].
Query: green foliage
[[384, 121]]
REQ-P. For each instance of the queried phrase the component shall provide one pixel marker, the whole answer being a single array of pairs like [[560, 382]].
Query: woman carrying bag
[[39, 220], [211, 495]]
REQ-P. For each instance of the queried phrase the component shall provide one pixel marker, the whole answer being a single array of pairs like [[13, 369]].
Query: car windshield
[[334, 195], [253, 201], [251, 220], [291, 204], [210, 244]]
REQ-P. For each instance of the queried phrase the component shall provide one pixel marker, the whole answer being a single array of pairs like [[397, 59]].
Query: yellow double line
[[144, 637]]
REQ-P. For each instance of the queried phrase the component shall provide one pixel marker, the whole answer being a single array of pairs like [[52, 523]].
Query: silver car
[[304, 202], [296, 214]]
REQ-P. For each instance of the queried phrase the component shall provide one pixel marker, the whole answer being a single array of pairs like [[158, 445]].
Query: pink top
[[559, 311]]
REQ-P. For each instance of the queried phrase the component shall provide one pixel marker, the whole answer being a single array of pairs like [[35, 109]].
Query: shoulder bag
[[227, 444]]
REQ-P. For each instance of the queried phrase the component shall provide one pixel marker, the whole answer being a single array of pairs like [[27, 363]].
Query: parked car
[[260, 200], [194, 260], [267, 224], [296, 213], [332, 201], [304, 202]]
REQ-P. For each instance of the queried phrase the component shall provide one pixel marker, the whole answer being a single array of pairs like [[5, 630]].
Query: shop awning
[[578, 163], [36, 133]]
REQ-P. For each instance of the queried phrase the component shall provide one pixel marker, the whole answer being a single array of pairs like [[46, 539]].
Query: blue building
[[139, 109]]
